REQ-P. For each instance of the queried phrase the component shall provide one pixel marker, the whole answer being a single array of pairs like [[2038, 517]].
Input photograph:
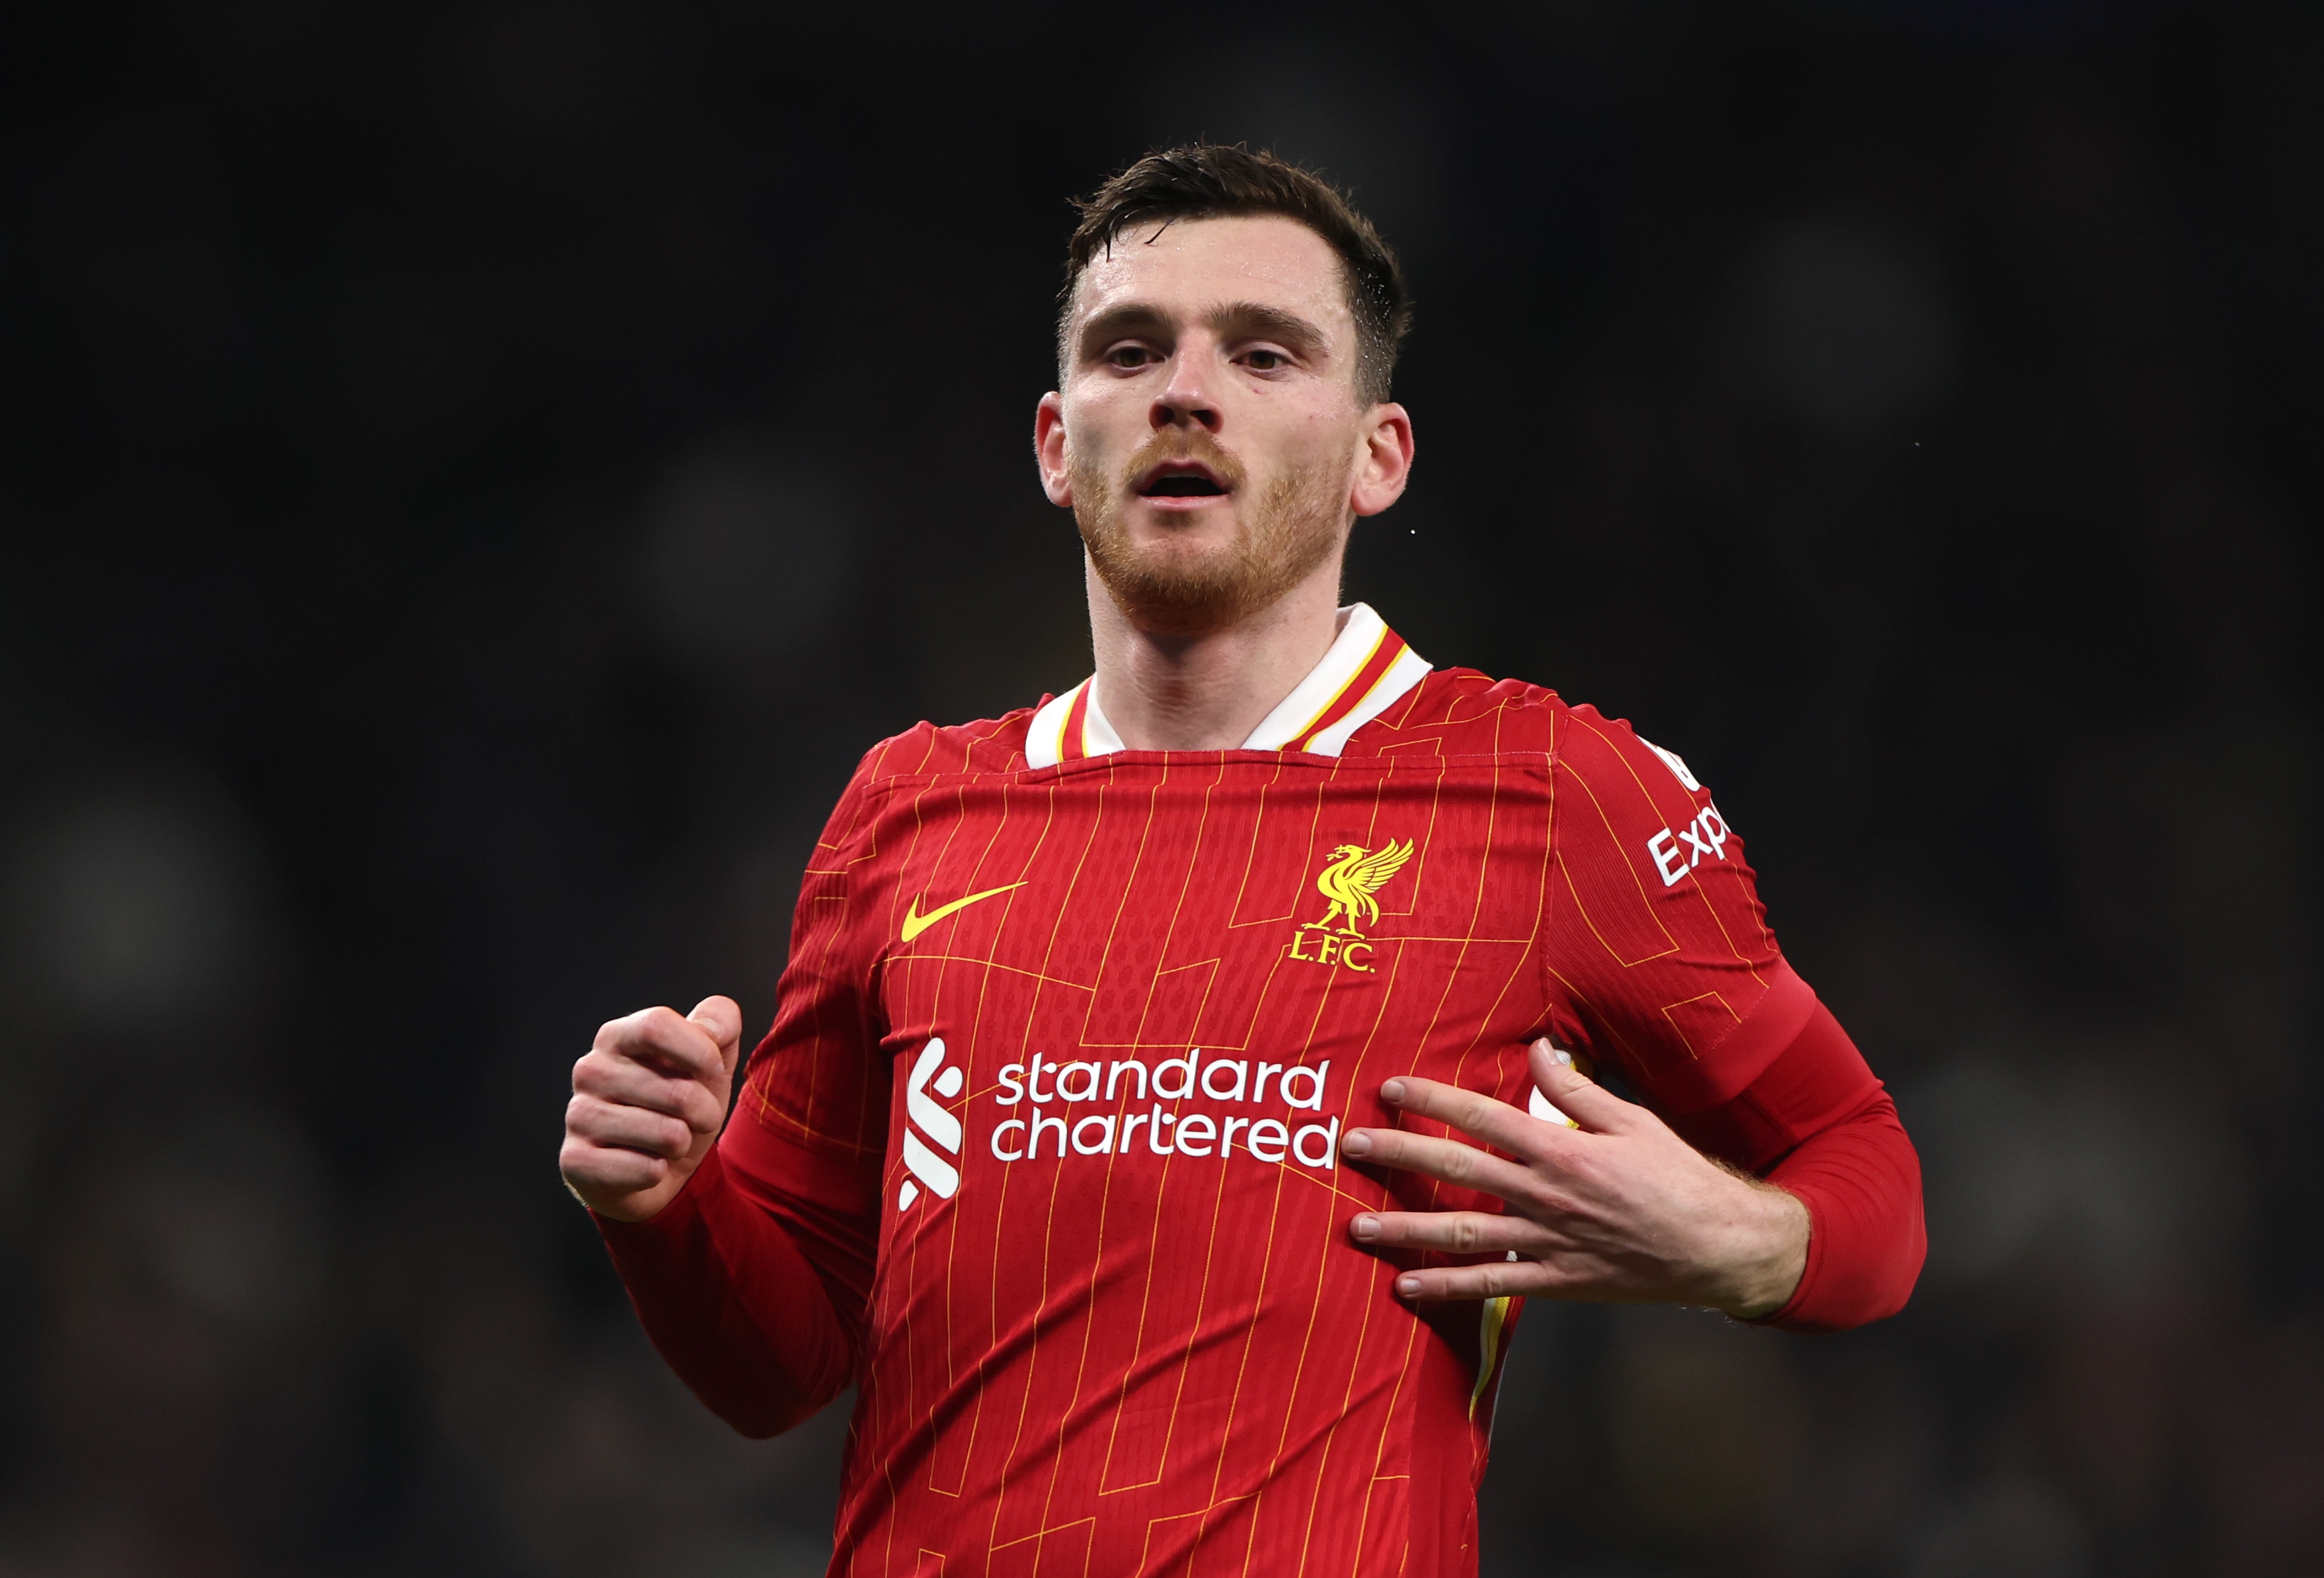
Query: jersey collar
[[1367, 669]]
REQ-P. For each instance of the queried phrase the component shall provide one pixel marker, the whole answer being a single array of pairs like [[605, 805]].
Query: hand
[[648, 1103], [1618, 1210]]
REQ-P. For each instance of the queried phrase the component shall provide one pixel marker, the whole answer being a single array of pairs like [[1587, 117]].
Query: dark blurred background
[[476, 477]]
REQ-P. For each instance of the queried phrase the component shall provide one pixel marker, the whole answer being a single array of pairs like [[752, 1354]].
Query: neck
[[1208, 692]]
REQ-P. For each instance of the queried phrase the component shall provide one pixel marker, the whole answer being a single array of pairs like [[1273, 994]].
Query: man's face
[[1208, 437]]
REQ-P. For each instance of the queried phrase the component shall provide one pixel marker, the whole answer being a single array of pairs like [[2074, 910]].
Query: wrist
[[634, 1207], [1768, 1254]]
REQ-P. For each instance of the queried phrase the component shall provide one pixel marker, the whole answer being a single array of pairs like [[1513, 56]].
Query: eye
[[1263, 360], [1131, 357]]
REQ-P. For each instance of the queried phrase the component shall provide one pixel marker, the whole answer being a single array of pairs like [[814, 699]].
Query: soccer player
[[1176, 1085]]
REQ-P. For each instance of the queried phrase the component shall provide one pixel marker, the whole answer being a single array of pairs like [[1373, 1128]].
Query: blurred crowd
[[475, 478]]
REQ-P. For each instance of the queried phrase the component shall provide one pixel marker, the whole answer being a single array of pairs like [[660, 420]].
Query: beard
[[1174, 587]]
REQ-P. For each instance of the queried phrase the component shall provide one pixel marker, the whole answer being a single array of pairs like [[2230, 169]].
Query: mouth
[[1181, 479]]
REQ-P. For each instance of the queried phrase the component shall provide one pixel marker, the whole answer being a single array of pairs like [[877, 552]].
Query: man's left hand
[[1618, 1210]]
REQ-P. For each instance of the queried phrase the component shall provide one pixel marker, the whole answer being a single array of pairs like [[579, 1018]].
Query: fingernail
[[1407, 1287], [1355, 1142], [1365, 1227], [1393, 1091]]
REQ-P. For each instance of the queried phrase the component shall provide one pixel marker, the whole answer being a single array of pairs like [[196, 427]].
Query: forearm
[[733, 1302], [1762, 1250], [1815, 1123]]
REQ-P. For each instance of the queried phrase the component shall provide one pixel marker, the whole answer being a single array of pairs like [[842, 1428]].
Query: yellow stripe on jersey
[[1490, 1326]]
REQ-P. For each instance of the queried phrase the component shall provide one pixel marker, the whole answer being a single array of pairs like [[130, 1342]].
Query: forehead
[[1192, 265]]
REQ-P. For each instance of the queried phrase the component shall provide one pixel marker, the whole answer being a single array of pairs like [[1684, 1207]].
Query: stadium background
[[476, 475]]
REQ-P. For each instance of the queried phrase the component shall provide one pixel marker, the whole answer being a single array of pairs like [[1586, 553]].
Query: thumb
[[1583, 1102], [721, 1017]]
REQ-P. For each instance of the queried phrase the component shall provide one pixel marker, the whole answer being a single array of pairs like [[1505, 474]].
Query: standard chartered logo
[[1051, 1127], [1220, 1108], [924, 1165]]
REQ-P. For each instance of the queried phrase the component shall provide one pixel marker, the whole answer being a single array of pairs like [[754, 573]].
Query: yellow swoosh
[[916, 923]]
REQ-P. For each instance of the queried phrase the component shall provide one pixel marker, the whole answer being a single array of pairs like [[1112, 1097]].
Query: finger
[[602, 1123], [1492, 1279], [1459, 1233], [620, 1082], [656, 1034], [1561, 1276], [595, 1170], [721, 1017], [1574, 1094], [1477, 1115], [1446, 1160]]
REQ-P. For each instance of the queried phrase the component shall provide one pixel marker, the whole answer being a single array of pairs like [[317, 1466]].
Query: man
[[1175, 1086]]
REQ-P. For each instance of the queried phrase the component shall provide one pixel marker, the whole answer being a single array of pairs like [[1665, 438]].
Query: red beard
[[1175, 588]]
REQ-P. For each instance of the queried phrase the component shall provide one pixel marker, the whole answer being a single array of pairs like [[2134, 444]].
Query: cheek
[[1319, 445], [1099, 431]]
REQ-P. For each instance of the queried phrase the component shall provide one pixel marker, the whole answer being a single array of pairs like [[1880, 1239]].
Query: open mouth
[[1181, 480]]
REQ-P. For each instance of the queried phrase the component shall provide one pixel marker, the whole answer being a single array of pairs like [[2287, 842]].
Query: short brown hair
[[1213, 180]]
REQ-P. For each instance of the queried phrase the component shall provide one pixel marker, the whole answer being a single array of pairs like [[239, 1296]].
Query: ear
[[1049, 449], [1385, 466]]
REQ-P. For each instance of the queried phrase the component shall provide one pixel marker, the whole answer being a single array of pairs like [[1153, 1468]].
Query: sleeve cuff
[[672, 1221], [1788, 1318], [1861, 1182]]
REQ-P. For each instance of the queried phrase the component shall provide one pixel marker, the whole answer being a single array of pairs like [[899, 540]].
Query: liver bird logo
[[1355, 875]]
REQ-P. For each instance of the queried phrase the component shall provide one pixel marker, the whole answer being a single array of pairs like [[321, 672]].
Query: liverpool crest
[[1348, 881]]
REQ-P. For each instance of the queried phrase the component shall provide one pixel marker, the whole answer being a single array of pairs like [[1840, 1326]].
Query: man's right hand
[[648, 1103]]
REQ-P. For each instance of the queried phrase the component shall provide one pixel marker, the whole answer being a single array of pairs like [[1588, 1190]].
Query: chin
[[1181, 589], [1159, 524], [1185, 570]]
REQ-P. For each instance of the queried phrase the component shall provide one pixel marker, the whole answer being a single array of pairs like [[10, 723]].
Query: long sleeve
[[755, 1282], [1860, 1180], [1816, 1123], [1662, 964], [734, 1304]]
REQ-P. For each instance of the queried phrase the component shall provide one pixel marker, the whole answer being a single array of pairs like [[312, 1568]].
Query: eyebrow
[[1111, 325], [1230, 319], [1256, 320]]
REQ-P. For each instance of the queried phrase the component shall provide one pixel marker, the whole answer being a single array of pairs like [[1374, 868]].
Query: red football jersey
[[1069, 1035]]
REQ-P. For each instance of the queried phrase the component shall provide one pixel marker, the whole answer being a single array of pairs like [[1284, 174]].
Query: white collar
[[1367, 669]]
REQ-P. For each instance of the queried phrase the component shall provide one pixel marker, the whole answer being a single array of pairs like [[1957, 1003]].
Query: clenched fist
[[648, 1103]]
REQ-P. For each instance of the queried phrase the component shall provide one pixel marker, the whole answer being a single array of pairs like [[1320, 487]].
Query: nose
[[1185, 399]]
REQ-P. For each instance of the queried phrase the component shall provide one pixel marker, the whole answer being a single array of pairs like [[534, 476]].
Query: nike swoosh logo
[[916, 923]]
